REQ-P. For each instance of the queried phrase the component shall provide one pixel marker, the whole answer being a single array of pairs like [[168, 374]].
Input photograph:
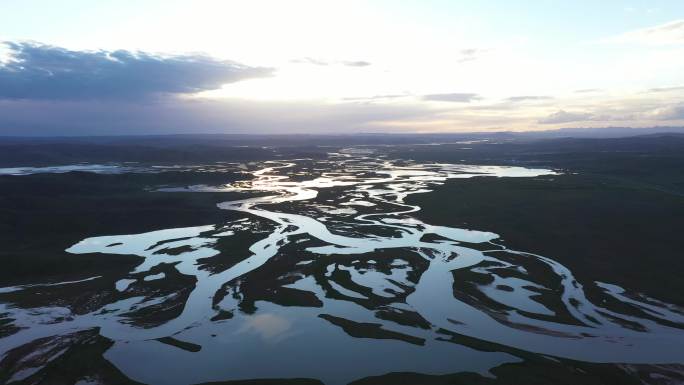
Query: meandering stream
[[336, 249]]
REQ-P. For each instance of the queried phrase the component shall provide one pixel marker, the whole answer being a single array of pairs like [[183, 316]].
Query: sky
[[75, 67]]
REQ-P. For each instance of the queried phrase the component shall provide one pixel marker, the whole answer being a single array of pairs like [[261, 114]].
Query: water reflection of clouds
[[494, 297], [270, 327]]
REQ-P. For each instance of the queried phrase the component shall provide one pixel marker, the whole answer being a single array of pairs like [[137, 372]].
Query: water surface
[[328, 275]]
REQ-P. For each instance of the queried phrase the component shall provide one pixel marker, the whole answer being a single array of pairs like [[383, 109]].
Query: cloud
[[526, 98], [517, 103], [673, 112], [317, 62], [377, 97], [663, 34], [666, 89], [175, 115], [309, 60], [453, 97], [588, 90], [469, 54], [357, 63], [562, 116], [36, 71]]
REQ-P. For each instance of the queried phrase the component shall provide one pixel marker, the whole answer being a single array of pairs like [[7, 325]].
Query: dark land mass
[[79, 357], [534, 369], [41, 215], [370, 330], [68, 359], [538, 369], [177, 152], [198, 148], [613, 215], [269, 381]]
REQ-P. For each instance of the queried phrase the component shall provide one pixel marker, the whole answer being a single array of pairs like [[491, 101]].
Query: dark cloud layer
[[171, 115], [46, 72]]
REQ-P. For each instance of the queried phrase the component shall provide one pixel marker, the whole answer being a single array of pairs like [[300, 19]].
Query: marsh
[[360, 261]]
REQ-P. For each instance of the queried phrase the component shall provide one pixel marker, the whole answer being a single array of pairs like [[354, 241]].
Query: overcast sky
[[148, 67]]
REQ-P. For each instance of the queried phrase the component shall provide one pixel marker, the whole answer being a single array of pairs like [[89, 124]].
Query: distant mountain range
[[346, 139]]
